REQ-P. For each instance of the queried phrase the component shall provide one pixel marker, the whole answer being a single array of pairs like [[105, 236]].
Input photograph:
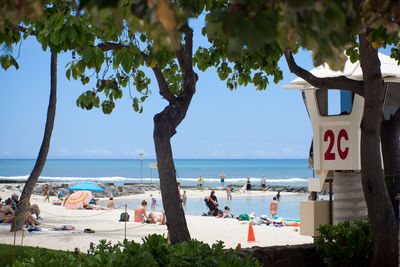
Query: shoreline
[[106, 225], [129, 189]]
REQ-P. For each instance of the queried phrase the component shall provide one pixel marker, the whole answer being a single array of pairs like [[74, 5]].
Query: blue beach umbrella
[[85, 186]]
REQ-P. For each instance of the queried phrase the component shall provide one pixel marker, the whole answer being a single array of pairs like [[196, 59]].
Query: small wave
[[148, 179]]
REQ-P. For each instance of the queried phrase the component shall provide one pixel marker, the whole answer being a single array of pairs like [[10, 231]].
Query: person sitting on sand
[[227, 213], [34, 210], [111, 204], [151, 218], [14, 201], [7, 214], [212, 204], [140, 212]]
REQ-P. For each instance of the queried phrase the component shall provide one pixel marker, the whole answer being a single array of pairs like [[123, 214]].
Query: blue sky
[[220, 123]]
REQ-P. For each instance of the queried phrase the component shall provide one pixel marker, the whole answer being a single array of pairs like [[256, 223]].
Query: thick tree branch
[[21, 29], [341, 82], [108, 46], [185, 54]]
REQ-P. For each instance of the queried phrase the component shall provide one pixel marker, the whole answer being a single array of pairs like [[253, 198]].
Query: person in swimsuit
[[228, 193], [263, 182], [7, 214], [248, 184], [153, 219], [140, 212], [111, 204], [222, 177], [273, 208], [46, 193], [200, 181]]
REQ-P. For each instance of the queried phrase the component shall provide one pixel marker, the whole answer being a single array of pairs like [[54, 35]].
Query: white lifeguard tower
[[335, 151]]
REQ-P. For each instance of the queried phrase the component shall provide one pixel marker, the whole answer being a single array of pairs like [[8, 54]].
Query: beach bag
[[124, 217]]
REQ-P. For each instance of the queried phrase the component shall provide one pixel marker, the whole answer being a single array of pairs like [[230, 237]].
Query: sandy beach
[[106, 225]]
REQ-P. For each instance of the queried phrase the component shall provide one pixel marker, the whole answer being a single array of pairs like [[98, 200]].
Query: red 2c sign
[[329, 136]]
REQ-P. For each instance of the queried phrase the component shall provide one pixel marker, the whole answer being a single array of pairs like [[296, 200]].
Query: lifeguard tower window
[[334, 102]]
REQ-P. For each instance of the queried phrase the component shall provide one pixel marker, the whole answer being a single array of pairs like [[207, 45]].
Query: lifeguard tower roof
[[389, 68]]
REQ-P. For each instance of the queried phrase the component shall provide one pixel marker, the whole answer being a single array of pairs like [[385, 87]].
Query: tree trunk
[[165, 124], [44, 149], [380, 209]]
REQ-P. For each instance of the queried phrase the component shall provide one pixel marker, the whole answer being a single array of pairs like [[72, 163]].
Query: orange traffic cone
[[250, 236]]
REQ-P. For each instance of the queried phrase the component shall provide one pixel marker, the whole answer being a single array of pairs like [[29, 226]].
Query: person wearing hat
[[111, 204]]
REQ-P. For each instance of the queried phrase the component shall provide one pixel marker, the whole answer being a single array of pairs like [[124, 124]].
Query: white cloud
[[217, 153], [99, 151], [6, 153], [65, 152], [289, 152]]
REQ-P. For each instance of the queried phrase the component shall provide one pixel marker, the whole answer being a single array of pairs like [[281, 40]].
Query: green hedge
[[153, 252], [348, 243]]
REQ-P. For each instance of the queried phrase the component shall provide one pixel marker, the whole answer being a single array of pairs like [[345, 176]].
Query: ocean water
[[288, 207], [119, 171]]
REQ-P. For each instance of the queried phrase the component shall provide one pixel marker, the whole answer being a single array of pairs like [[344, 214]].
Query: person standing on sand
[[153, 203], [263, 183], [273, 208], [200, 181], [46, 193], [184, 198], [222, 177], [228, 193]]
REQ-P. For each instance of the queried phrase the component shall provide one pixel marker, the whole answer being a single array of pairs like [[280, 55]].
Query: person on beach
[[14, 201], [140, 212], [263, 183], [273, 208], [200, 181], [184, 198], [278, 195], [46, 193], [248, 184], [222, 177], [229, 193], [153, 203], [153, 219], [111, 204], [212, 204], [7, 214], [227, 213]]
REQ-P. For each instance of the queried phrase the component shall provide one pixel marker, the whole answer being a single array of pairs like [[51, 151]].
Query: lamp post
[[141, 161]]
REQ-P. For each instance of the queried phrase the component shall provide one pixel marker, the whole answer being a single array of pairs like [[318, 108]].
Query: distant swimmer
[[273, 208]]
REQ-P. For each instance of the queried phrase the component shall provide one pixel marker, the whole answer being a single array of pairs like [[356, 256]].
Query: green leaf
[[68, 74]]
